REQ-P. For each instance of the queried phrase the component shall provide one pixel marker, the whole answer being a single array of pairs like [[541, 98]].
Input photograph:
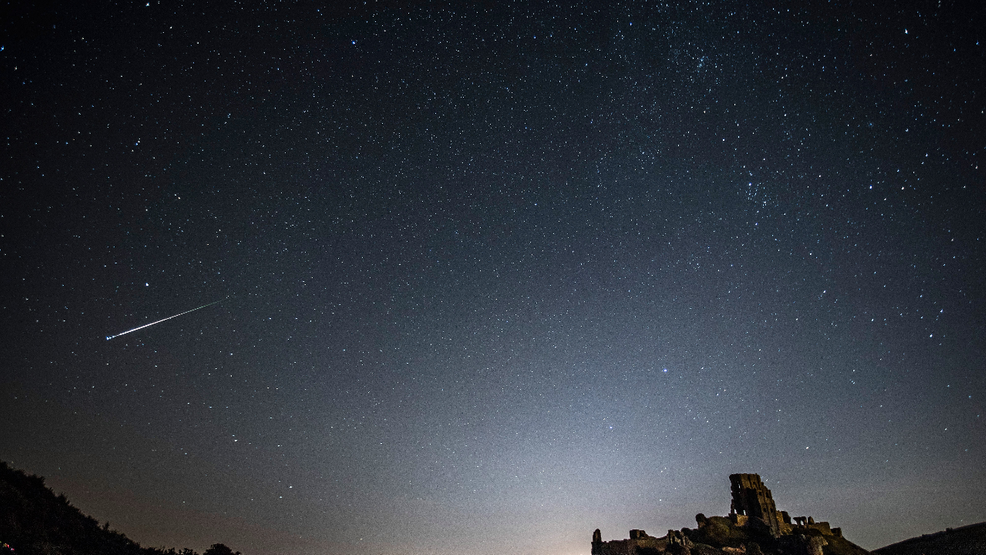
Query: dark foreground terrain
[[34, 521], [968, 540]]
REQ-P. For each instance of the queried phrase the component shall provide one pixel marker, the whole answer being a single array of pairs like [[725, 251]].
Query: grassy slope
[[968, 540]]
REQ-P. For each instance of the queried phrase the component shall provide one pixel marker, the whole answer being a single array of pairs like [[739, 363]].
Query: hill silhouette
[[35, 521], [967, 540]]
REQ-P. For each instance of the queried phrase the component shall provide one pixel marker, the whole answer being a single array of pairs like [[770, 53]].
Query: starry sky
[[492, 275]]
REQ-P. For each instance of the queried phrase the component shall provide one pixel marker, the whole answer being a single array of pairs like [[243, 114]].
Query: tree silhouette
[[220, 549]]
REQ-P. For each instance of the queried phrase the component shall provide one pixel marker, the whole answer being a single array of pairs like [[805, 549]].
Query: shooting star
[[108, 337]]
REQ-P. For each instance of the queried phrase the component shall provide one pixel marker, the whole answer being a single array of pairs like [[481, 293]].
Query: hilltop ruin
[[754, 526]]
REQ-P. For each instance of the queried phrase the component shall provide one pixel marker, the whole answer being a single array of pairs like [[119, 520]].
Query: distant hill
[[968, 540], [34, 521]]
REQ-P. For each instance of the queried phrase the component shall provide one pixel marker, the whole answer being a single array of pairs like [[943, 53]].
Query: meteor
[[108, 337]]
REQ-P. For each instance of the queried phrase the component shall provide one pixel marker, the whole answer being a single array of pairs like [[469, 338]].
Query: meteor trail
[[108, 337]]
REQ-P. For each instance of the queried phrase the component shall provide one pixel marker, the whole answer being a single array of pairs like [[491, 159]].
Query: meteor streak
[[108, 337]]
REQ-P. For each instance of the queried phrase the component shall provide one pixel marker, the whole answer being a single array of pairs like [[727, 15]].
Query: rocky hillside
[[722, 535]]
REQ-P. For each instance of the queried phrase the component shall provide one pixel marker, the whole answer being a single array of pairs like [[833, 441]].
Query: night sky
[[492, 275]]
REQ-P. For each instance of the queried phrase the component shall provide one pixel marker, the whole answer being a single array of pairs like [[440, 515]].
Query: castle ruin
[[752, 499], [752, 516]]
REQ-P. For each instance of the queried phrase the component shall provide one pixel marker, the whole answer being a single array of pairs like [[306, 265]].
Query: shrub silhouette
[[220, 549]]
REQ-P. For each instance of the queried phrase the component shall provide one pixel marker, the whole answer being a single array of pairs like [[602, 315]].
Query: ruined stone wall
[[639, 540], [752, 498], [822, 527], [615, 547]]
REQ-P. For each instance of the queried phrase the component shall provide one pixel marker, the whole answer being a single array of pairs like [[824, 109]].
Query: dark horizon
[[495, 275]]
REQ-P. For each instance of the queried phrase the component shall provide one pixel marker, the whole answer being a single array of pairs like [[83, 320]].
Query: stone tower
[[597, 542], [753, 499]]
